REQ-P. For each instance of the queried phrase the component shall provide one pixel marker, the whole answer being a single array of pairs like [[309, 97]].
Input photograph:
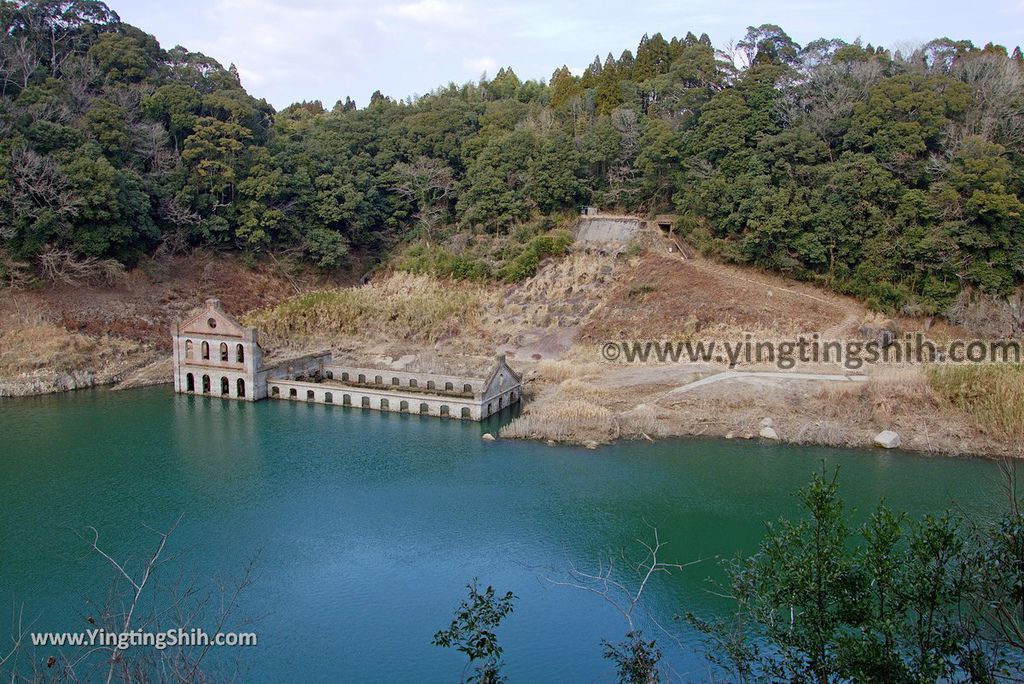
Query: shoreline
[[717, 421]]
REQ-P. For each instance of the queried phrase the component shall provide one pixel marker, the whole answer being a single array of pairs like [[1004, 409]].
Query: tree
[[472, 632], [906, 602], [428, 185], [636, 659]]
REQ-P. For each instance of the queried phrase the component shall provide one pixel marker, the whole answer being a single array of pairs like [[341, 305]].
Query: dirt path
[[773, 375]]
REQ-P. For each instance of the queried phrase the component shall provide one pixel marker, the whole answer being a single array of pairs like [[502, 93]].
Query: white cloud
[[433, 13], [478, 65]]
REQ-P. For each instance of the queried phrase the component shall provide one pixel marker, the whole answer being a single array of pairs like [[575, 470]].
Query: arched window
[[511, 397], [328, 397], [378, 380], [467, 388], [224, 352], [403, 406], [239, 354], [275, 391], [206, 350], [412, 383], [344, 376], [206, 384], [362, 378], [395, 381], [489, 409], [424, 408], [501, 402], [445, 411], [465, 412], [346, 399], [293, 393], [190, 383], [225, 386], [310, 395], [448, 387], [241, 387], [189, 349], [366, 402], [384, 405], [430, 384]]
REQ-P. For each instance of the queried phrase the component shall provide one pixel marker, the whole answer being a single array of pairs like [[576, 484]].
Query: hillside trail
[[854, 312]]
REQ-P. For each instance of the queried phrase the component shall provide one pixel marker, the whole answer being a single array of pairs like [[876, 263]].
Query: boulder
[[767, 423], [887, 439], [768, 433], [487, 437]]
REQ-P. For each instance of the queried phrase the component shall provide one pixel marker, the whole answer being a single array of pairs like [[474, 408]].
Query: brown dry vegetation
[[992, 395], [38, 357], [660, 295], [417, 308], [81, 333], [552, 326]]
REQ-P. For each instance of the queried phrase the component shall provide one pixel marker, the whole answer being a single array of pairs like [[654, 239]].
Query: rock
[[768, 433], [767, 423], [487, 437], [729, 435], [887, 439], [590, 445], [550, 442]]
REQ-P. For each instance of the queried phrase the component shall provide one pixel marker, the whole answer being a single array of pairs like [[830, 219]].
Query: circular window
[[212, 322]]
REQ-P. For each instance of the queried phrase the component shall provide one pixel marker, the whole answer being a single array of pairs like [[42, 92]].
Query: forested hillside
[[895, 177]]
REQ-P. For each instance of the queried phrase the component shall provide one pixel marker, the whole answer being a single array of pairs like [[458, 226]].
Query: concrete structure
[[215, 355], [606, 229]]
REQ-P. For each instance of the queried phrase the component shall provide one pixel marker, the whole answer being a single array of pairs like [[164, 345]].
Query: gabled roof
[[502, 364], [212, 320]]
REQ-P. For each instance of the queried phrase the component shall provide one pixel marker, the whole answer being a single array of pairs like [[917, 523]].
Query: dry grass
[[993, 395], [557, 371], [46, 346], [579, 412], [574, 420], [403, 306], [885, 397]]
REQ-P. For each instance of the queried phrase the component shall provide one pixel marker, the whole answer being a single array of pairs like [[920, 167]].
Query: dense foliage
[[934, 599], [893, 177]]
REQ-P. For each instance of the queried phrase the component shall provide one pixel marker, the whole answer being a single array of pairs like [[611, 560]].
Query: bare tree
[[623, 589], [38, 186], [63, 265], [137, 600], [429, 185], [18, 62]]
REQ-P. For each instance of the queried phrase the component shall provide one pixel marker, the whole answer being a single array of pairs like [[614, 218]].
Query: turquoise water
[[368, 525]]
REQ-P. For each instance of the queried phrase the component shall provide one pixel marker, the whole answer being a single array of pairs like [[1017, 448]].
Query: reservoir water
[[368, 525]]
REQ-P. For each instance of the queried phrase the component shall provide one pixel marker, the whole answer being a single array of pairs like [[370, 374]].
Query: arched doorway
[[240, 386], [190, 383], [206, 383], [225, 386]]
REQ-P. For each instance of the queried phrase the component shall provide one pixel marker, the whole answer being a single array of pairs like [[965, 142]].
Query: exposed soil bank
[[551, 326]]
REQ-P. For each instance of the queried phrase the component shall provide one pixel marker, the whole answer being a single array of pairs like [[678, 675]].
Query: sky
[[293, 50]]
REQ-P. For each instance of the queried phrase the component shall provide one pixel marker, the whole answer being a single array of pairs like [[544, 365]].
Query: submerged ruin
[[215, 355]]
